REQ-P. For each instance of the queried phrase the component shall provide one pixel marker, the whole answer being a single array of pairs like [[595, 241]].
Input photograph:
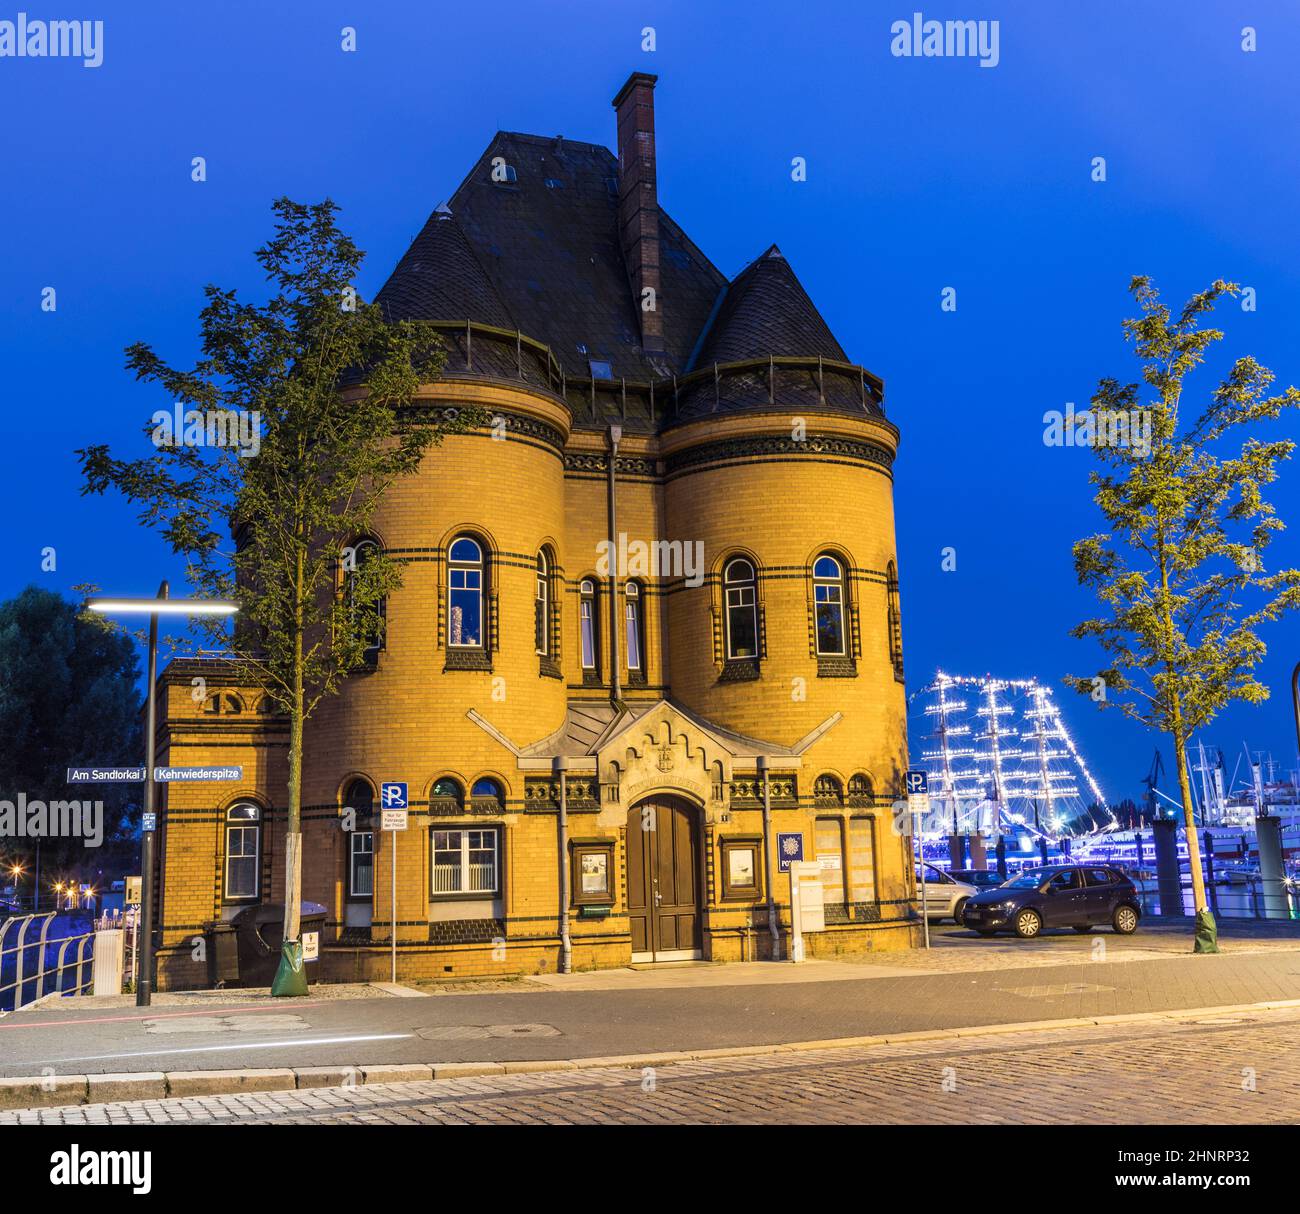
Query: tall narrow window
[[243, 852], [367, 615], [894, 620], [862, 860], [360, 798], [828, 596], [587, 632], [828, 839], [635, 620], [465, 594], [740, 591], [541, 612]]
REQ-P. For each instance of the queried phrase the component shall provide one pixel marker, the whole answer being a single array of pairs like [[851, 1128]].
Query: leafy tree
[[331, 385], [68, 697], [1188, 529]]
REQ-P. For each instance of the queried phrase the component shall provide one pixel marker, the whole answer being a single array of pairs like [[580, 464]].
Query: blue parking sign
[[392, 796], [918, 782]]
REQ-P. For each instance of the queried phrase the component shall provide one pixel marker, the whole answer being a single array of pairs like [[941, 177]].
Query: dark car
[[980, 878], [1077, 896]]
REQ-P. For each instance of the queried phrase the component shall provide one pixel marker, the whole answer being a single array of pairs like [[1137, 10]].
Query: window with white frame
[[243, 852], [466, 861], [370, 615], [635, 619], [828, 597], [740, 589], [465, 594], [541, 613], [360, 798], [587, 623]]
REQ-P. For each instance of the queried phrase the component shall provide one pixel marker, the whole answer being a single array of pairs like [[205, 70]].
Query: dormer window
[[600, 369]]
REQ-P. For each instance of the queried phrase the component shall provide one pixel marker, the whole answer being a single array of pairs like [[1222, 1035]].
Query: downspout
[[772, 924], [615, 654], [560, 766]]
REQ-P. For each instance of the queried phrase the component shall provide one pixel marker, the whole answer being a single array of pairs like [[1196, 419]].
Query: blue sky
[[922, 174]]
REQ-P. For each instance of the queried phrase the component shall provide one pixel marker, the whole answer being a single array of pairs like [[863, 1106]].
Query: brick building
[[600, 754]]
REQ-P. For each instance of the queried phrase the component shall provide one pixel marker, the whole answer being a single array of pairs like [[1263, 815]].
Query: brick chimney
[[638, 201]]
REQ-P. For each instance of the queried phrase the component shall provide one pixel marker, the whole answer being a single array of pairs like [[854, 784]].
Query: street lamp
[[161, 605]]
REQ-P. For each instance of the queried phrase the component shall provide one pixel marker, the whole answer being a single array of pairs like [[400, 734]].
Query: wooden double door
[[663, 880]]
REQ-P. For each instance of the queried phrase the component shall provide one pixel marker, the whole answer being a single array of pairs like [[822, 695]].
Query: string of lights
[[1008, 760]]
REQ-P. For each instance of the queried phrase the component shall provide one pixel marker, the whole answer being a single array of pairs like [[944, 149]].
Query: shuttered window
[[829, 841], [862, 860]]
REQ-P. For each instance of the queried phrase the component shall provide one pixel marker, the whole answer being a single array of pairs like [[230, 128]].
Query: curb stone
[[64, 1091]]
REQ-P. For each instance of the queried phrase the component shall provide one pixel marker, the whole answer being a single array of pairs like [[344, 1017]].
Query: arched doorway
[[663, 879]]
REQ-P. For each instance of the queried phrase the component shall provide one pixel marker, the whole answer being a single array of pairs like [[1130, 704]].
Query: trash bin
[[223, 955], [313, 932], [259, 932]]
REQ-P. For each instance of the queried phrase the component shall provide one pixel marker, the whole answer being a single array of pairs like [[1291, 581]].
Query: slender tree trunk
[[1189, 816], [293, 836], [1199, 901]]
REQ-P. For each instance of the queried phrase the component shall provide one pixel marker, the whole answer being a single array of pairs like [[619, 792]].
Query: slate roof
[[766, 311], [540, 253]]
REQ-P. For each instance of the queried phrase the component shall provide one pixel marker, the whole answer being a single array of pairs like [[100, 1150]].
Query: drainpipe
[[560, 766], [615, 656], [773, 925]]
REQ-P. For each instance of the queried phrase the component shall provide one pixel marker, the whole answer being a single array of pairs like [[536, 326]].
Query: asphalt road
[[1226, 1070], [539, 1024]]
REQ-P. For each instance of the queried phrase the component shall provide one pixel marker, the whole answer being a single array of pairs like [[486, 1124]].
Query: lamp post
[[163, 604]]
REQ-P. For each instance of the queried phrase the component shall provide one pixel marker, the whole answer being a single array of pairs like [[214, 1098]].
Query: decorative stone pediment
[[663, 752]]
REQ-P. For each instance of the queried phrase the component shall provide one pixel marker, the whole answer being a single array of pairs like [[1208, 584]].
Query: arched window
[[828, 597], [541, 607], [465, 594], [588, 632], [360, 798], [635, 618], [487, 796], [243, 876], [827, 792], [446, 795], [740, 589], [894, 620], [860, 791], [371, 613]]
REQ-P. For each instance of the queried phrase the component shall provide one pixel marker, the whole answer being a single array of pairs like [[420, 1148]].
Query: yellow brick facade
[[776, 487]]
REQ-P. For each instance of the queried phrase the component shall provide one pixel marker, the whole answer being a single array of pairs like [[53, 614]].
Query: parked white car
[[945, 898]]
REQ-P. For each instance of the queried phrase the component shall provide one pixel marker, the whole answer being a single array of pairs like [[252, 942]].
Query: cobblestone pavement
[[1239, 1069]]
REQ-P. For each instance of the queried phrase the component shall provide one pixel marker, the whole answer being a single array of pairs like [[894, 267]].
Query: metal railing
[[28, 959]]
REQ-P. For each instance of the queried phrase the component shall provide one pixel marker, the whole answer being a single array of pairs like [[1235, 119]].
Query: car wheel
[[959, 911], [1028, 924], [1083, 928], [1125, 920]]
